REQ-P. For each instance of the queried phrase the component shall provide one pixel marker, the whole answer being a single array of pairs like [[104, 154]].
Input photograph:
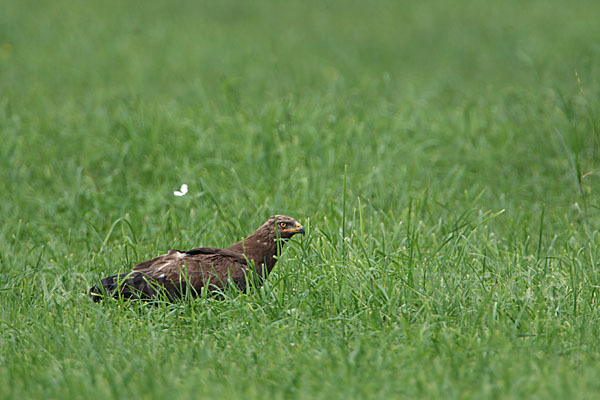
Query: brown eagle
[[176, 272]]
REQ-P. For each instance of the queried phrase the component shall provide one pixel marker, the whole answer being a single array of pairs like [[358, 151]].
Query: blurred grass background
[[464, 263]]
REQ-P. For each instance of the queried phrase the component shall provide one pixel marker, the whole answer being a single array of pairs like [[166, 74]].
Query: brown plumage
[[172, 274]]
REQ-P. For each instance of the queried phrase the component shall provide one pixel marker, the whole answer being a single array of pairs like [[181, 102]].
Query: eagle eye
[[282, 224]]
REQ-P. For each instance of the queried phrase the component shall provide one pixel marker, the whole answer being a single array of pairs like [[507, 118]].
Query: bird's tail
[[131, 285], [107, 287]]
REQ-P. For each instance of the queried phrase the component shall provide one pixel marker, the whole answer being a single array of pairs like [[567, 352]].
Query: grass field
[[444, 157]]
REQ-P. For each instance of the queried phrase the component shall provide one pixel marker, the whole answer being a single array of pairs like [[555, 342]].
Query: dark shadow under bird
[[177, 272]]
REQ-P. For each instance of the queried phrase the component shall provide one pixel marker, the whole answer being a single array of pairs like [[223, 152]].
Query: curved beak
[[297, 229]]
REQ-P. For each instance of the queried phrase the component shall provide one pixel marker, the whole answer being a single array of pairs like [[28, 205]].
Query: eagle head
[[284, 227]]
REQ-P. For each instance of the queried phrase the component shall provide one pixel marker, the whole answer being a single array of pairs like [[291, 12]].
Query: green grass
[[444, 157]]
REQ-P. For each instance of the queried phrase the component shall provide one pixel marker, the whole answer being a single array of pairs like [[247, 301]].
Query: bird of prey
[[175, 273]]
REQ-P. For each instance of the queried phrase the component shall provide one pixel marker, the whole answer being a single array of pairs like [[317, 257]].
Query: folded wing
[[176, 272]]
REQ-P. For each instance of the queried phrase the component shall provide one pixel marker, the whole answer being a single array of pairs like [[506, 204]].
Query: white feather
[[182, 191]]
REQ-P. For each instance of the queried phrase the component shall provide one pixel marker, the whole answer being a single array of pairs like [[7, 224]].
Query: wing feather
[[198, 268]]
